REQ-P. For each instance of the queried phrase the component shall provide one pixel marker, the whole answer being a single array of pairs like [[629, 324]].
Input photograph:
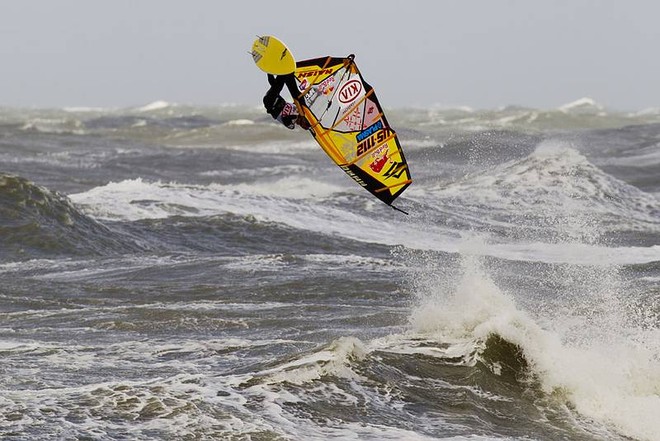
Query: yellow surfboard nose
[[272, 56]]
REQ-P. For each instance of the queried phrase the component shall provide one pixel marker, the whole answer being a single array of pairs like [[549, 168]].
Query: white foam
[[291, 187], [85, 109], [600, 365], [239, 122], [54, 125], [136, 199], [259, 172], [156, 105], [651, 111], [289, 147], [574, 253], [335, 361], [579, 104]]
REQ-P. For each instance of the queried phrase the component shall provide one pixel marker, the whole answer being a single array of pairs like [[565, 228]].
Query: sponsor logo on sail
[[350, 91]]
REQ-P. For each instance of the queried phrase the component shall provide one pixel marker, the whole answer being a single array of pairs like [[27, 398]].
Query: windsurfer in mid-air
[[278, 108]]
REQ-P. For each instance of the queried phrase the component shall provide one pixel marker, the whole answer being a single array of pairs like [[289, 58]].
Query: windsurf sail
[[349, 124]]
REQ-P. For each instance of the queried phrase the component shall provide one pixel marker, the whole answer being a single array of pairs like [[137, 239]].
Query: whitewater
[[183, 272]]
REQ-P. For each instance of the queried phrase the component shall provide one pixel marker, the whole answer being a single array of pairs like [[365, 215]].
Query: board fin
[[272, 56]]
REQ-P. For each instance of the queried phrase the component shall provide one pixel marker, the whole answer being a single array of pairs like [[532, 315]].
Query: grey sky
[[479, 53]]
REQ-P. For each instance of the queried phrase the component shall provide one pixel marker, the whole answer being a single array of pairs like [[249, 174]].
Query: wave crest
[[37, 222]]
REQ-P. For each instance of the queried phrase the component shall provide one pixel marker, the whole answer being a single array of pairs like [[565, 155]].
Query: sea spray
[[583, 350]]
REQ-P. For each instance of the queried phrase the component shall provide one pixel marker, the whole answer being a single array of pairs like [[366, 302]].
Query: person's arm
[[273, 102], [277, 107]]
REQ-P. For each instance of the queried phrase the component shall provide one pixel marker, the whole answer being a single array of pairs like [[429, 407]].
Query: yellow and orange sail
[[349, 124]]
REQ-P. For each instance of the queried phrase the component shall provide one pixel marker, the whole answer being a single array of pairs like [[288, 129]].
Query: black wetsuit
[[275, 105]]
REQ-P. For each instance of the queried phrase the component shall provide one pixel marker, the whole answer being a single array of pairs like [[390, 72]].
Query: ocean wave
[[583, 105], [552, 235], [135, 199], [155, 105], [36, 222], [554, 188], [54, 126], [594, 355]]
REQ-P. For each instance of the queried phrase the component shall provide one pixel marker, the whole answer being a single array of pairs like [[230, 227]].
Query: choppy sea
[[175, 272]]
